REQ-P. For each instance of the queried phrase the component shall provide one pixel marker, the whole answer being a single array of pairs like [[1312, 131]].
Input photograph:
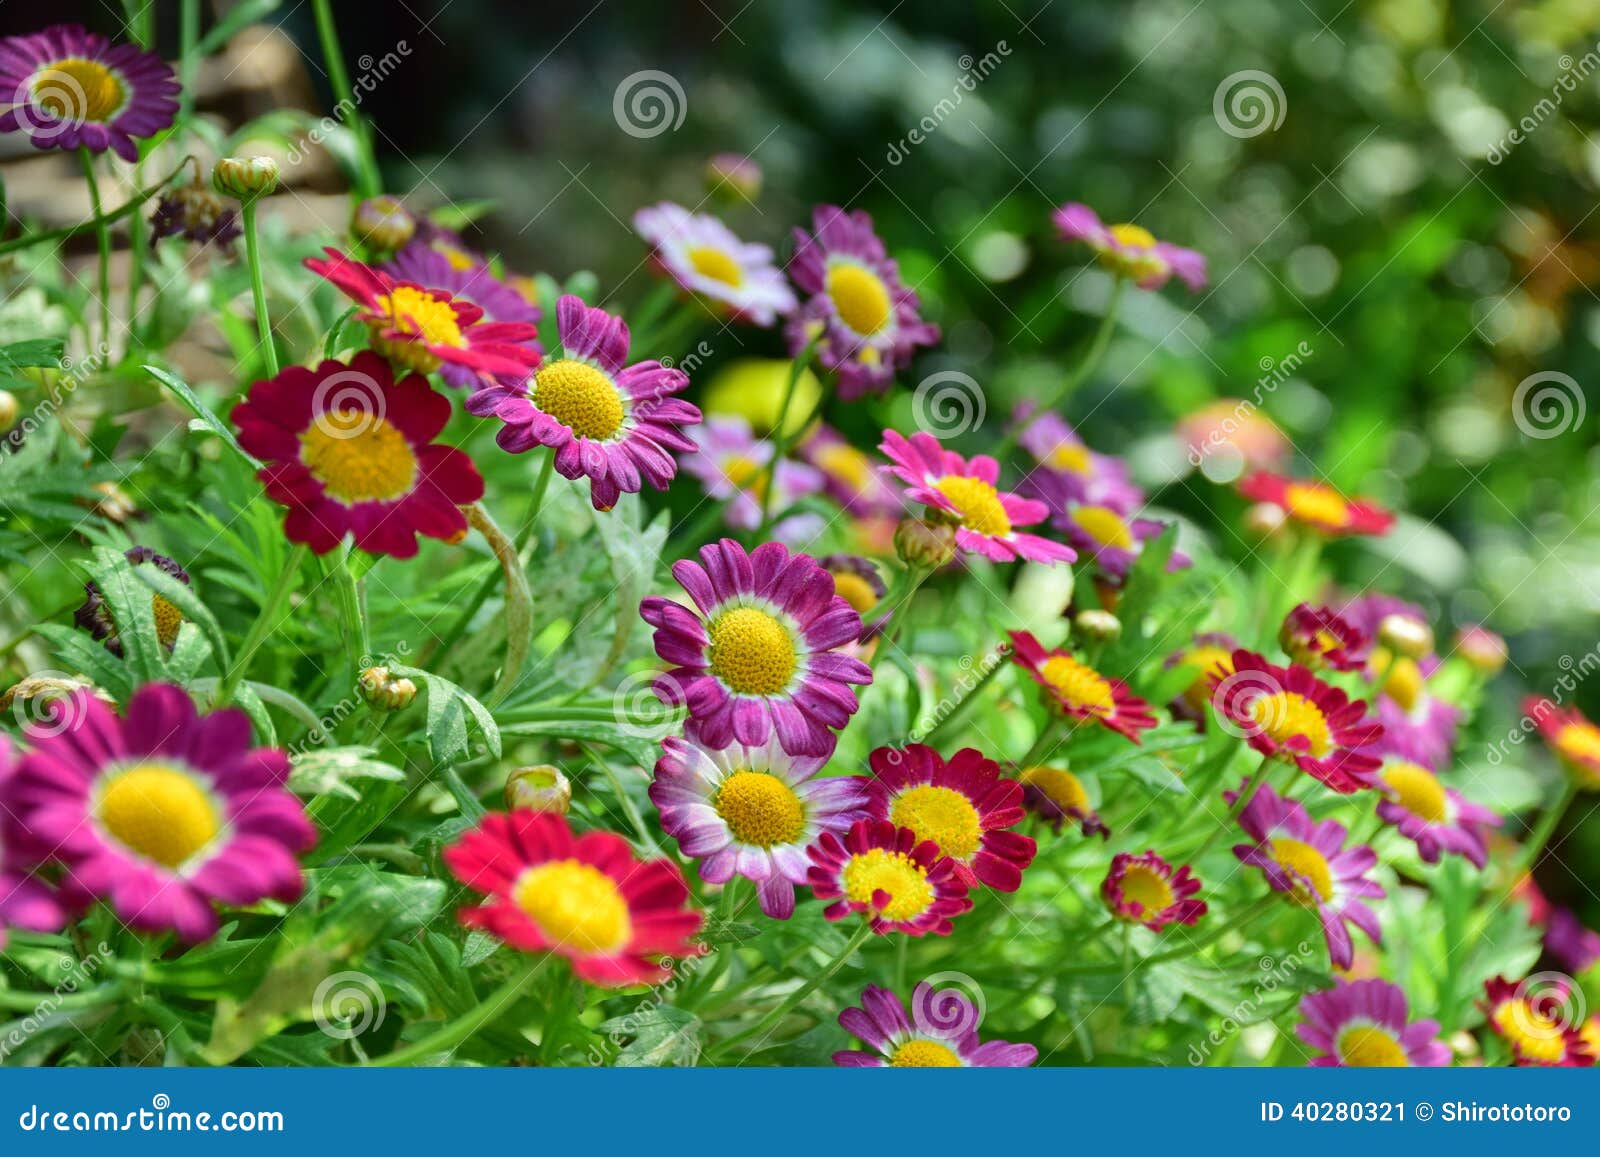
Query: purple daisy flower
[[759, 658], [68, 88], [1436, 818], [1131, 250], [868, 320], [616, 423], [1079, 474], [1112, 540], [1364, 1024], [731, 464], [941, 1032], [850, 476], [705, 258], [1575, 947], [752, 811], [1423, 733], [24, 901]]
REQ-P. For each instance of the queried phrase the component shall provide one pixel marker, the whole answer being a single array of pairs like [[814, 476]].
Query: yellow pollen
[[743, 472], [751, 651], [79, 90], [1316, 504], [1579, 741], [358, 457], [1284, 715], [580, 397], [1537, 1036], [847, 464], [924, 1054], [977, 503], [709, 261], [940, 814], [460, 260], [1146, 887], [855, 590], [1205, 661], [168, 619], [1133, 236], [760, 809], [417, 312], [876, 870], [1402, 678], [1104, 525], [1059, 786], [159, 812], [1078, 685], [1309, 868], [1069, 456], [1417, 790], [575, 905], [1369, 1047], [860, 296]]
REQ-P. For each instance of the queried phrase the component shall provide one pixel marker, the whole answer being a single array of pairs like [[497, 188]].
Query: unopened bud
[[383, 691], [1101, 626], [383, 223], [1405, 636], [9, 409], [540, 788], [1264, 519], [245, 178], [925, 544], [1482, 649], [732, 176]]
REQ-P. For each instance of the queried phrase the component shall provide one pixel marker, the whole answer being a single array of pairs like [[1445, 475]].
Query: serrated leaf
[[333, 771], [200, 410]]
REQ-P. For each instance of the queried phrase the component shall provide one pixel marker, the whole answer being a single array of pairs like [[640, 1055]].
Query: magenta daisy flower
[[760, 658], [966, 492], [941, 1032], [1573, 946], [1364, 1024], [752, 811], [618, 424], [868, 322], [1570, 735], [1131, 251], [884, 873], [962, 805], [1308, 861], [1417, 725], [1055, 795], [1436, 818], [24, 901], [1068, 470], [1319, 637], [1080, 692], [1147, 890], [850, 476], [1539, 1018], [66, 88], [164, 812], [705, 258]]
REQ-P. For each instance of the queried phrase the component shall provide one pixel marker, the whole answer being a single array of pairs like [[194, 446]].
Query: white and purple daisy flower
[[732, 465], [1068, 470], [1436, 818], [1131, 251], [705, 258], [1365, 1024], [1112, 540], [941, 1032]]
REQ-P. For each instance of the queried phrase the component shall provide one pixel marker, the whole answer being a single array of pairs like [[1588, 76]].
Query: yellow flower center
[[751, 651], [924, 1054], [1145, 886], [876, 870], [1078, 685], [860, 296], [977, 503], [1309, 867], [1369, 1047], [940, 814], [1284, 715], [1104, 525], [580, 397], [1132, 236], [709, 261], [419, 313], [168, 619], [79, 90], [847, 464], [358, 457], [1579, 741], [1059, 786], [1402, 678], [1590, 1032], [741, 471], [1537, 1036], [1069, 456], [575, 905], [1315, 504], [760, 809], [1417, 790], [159, 812], [460, 260], [855, 590]]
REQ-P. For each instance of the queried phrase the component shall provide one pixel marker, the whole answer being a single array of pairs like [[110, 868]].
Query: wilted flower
[[94, 616], [383, 222]]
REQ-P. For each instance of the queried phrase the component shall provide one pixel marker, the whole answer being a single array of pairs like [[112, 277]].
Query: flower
[[1317, 637], [855, 580], [759, 657], [196, 213], [542, 787], [752, 811], [849, 475], [1436, 818], [425, 329], [1078, 690], [1317, 505], [245, 178], [1054, 794], [66, 88], [618, 424], [583, 897], [384, 223], [704, 257], [162, 812], [95, 617], [1534, 1017], [1070, 471], [24, 901], [1288, 714], [754, 389], [1129, 250], [733, 173], [962, 806], [966, 493], [1145, 889], [1574, 947], [1112, 541], [1233, 433], [1211, 654], [350, 451], [941, 1032], [1363, 1024], [1416, 724], [866, 321], [1568, 733], [734, 466], [902, 885], [1308, 861], [1483, 650]]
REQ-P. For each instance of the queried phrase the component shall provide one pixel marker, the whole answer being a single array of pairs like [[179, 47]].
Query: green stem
[[892, 622], [463, 1027], [1043, 744], [691, 535], [970, 698], [782, 437], [767, 1023], [1236, 810], [136, 245], [1547, 826], [264, 625], [355, 624], [371, 184], [258, 288], [96, 222], [1238, 924], [46, 1002], [102, 236]]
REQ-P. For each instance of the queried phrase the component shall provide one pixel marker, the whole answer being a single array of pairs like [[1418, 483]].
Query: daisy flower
[[962, 806], [1288, 714], [1308, 861], [1482, 649], [1111, 540], [1535, 1018], [900, 884], [1316, 505], [751, 811], [195, 212], [1054, 794], [850, 476], [65, 88], [1364, 1024], [1236, 434], [163, 812], [1077, 690], [350, 451], [732, 465], [867, 321], [1130, 251], [704, 257], [24, 901], [1211, 654], [855, 580], [941, 1032], [1574, 947], [1317, 637], [735, 173], [1568, 733], [1417, 725], [759, 658], [618, 424], [966, 493], [1070, 471], [95, 617], [1147, 890], [583, 897], [1436, 818]]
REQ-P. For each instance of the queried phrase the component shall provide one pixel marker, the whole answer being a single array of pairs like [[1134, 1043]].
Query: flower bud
[[383, 223], [924, 543], [1100, 626], [9, 409], [540, 788], [383, 691], [1482, 649], [1405, 636], [733, 177], [1264, 520], [245, 178]]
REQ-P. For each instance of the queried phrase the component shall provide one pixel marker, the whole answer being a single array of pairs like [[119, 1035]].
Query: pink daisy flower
[[1436, 818], [24, 901], [1068, 470], [1131, 250], [941, 1032], [1318, 637], [886, 874], [706, 259], [1145, 889], [1365, 1024]]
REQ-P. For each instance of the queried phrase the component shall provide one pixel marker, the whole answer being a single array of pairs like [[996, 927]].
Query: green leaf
[[656, 1036], [200, 410], [449, 710], [35, 352], [185, 598], [333, 771]]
